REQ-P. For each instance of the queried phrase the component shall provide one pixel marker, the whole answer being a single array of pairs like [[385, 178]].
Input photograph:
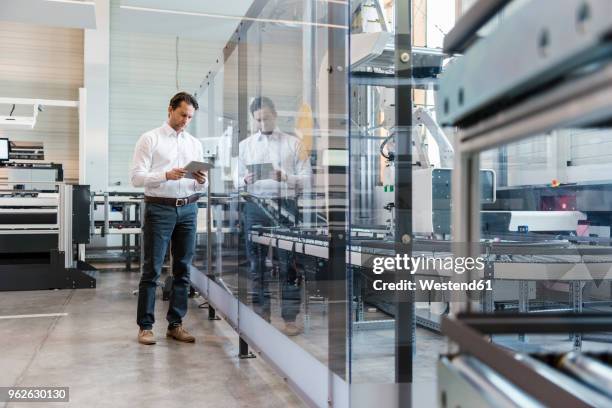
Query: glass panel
[[372, 119], [374, 190], [283, 140], [217, 128], [549, 231], [275, 172]]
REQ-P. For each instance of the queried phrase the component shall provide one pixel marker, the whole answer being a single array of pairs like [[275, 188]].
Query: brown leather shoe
[[180, 334], [292, 329], [146, 337]]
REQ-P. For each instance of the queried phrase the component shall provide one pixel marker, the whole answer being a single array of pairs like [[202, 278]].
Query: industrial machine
[[42, 223], [559, 80], [483, 374]]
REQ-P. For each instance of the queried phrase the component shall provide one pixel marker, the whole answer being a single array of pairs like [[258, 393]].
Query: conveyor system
[[518, 257], [483, 374], [588, 370]]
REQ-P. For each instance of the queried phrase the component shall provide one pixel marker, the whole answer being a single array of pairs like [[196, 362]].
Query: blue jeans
[[164, 224], [291, 294]]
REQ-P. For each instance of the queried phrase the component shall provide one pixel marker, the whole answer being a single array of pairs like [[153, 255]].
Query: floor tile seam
[[50, 329]]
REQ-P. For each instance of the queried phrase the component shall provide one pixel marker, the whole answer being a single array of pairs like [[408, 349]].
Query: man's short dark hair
[[176, 100], [262, 102]]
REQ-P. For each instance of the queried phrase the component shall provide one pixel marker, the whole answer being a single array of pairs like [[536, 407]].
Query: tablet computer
[[261, 171], [194, 166]]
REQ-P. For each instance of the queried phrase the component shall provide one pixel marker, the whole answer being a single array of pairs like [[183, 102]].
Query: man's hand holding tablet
[[197, 171]]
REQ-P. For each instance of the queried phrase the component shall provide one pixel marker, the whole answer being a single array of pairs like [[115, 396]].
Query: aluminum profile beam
[[578, 103], [464, 32], [528, 323], [539, 43], [472, 342]]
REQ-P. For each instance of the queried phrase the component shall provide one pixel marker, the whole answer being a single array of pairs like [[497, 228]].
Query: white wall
[[142, 81], [47, 63], [94, 137]]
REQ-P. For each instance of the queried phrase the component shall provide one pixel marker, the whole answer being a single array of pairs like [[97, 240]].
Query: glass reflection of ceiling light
[[238, 18], [79, 2]]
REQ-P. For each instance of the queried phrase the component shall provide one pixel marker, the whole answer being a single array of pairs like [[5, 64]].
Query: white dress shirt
[[283, 151], [160, 150]]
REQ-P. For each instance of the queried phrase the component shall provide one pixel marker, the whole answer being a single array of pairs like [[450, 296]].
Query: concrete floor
[[93, 350]]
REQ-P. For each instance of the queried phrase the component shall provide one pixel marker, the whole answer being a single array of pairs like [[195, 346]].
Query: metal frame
[[339, 304], [579, 102], [588, 100], [338, 309], [65, 224], [554, 42], [337, 187], [464, 32], [405, 322], [576, 302], [467, 332], [240, 41]]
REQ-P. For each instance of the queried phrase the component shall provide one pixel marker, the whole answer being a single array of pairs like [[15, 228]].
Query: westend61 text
[[432, 284]]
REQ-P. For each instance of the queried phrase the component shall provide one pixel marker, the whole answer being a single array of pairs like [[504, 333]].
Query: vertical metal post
[[212, 119], [405, 323], [106, 215], [523, 304], [125, 238], [465, 218], [576, 300], [502, 168], [92, 221], [208, 228], [212, 313], [336, 189], [243, 120], [65, 226], [487, 305], [487, 300], [242, 133], [359, 291], [306, 297], [212, 130], [243, 350]]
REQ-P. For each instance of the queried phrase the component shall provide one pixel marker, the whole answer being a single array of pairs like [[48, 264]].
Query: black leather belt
[[173, 202]]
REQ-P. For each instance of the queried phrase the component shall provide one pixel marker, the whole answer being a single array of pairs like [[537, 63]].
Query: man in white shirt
[[170, 213], [288, 172]]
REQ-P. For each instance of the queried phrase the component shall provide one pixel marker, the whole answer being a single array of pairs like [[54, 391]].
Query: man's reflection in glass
[[272, 171]]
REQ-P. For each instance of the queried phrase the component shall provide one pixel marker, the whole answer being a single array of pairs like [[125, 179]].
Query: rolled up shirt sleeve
[[140, 174]]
